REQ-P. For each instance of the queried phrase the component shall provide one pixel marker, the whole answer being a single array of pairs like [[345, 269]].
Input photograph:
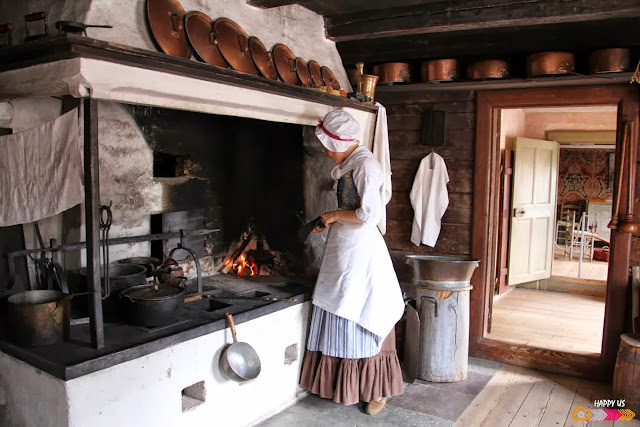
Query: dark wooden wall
[[404, 115]]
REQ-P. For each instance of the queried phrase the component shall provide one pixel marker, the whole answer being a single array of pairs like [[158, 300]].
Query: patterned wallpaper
[[584, 174]]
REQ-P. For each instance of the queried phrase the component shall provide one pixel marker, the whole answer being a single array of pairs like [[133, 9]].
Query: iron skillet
[[77, 27], [239, 361]]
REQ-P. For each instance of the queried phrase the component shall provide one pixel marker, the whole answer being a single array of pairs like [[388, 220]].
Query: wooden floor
[[591, 270], [521, 397], [551, 320]]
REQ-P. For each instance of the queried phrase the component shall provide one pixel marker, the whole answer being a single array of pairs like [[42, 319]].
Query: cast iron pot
[[153, 306], [38, 317], [122, 276]]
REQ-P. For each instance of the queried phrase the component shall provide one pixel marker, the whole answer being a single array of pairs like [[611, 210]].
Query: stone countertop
[[75, 357]]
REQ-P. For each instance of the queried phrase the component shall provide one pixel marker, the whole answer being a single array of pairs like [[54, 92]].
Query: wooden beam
[[499, 41], [92, 219], [466, 15]]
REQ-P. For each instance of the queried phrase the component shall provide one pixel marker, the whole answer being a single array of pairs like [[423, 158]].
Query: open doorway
[[486, 226], [558, 165]]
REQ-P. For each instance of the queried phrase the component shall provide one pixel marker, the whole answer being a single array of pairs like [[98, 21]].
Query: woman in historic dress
[[351, 353]]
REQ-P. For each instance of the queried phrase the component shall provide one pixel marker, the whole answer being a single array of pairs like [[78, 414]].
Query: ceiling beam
[[580, 36], [466, 15]]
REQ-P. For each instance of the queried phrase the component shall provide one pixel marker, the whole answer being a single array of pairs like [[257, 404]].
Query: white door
[[533, 210]]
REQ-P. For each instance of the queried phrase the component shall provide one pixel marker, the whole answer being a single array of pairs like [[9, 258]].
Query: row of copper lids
[[223, 43]]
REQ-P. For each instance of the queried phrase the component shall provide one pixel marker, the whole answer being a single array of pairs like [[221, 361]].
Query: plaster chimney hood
[[82, 67]]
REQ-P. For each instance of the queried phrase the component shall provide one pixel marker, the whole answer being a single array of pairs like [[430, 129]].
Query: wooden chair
[[575, 231]]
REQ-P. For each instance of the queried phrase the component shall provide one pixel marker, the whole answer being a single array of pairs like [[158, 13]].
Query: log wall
[[404, 115]]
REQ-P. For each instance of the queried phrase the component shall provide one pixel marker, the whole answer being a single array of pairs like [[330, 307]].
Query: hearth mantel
[[82, 67]]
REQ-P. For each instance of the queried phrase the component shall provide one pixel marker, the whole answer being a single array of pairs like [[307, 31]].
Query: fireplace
[[241, 175]]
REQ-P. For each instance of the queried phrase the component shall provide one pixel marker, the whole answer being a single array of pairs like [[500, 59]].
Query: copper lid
[[233, 43], [262, 58], [199, 28], [329, 78], [316, 73], [166, 19], [303, 72], [285, 64]]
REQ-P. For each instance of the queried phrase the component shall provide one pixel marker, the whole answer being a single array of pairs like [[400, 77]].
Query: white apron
[[357, 280]]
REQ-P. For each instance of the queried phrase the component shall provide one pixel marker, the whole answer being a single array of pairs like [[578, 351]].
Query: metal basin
[[435, 268]]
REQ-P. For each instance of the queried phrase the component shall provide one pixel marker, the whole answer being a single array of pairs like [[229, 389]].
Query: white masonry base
[[148, 391]]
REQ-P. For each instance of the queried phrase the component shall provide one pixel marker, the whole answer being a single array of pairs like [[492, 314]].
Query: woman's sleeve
[[368, 181]]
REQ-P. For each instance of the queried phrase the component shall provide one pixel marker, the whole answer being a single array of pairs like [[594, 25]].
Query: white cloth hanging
[[40, 171], [381, 151], [429, 198]]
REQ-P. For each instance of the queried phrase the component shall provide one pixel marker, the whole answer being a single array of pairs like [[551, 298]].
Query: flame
[[243, 264]]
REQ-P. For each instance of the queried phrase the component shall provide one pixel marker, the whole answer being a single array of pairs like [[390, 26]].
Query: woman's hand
[[330, 217]]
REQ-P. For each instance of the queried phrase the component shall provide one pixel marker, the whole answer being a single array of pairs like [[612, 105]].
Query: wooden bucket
[[626, 377]]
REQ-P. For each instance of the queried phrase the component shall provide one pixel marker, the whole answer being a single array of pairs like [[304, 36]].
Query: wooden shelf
[[511, 83], [69, 46]]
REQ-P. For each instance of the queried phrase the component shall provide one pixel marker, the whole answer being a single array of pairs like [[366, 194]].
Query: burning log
[[251, 257], [229, 262]]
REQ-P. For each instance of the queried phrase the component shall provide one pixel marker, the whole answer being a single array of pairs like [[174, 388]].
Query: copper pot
[[488, 69], [393, 72], [439, 70], [550, 63], [609, 61]]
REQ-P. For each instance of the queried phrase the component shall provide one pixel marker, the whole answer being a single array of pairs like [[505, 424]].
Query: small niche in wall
[[193, 396], [166, 165]]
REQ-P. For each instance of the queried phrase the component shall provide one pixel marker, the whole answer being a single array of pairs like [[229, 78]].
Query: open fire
[[251, 255]]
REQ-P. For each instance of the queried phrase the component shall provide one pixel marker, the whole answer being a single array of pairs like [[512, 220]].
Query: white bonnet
[[338, 131]]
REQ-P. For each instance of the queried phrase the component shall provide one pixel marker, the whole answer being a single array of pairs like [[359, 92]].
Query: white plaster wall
[[147, 391], [32, 397], [299, 28], [126, 178]]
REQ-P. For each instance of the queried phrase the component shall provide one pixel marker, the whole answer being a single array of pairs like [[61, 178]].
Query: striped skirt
[[338, 337]]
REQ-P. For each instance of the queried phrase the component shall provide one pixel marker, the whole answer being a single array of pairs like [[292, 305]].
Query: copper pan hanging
[[303, 72], [315, 69], [488, 69], [285, 61], [199, 28], [614, 60], [262, 58], [233, 43], [329, 78], [550, 64], [166, 19]]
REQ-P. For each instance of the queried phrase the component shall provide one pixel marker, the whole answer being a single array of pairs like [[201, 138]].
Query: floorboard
[[551, 320]]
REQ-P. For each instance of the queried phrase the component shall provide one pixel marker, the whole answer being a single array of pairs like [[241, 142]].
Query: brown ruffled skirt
[[349, 381]]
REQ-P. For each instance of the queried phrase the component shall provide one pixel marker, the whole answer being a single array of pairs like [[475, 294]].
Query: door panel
[[533, 210]]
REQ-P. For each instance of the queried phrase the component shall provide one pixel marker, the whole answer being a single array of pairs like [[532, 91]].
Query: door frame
[[486, 216]]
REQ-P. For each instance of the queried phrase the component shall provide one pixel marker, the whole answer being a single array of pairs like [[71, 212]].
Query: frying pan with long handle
[[77, 27], [239, 361]]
